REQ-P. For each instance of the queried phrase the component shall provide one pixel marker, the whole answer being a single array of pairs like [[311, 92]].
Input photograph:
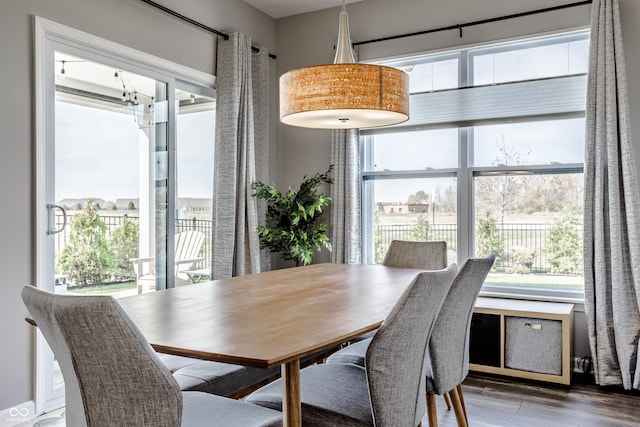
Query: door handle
[[52, 219]]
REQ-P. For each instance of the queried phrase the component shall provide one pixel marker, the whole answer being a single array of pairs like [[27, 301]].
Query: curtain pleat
[[345, 196], [241, 156], [612, 209]]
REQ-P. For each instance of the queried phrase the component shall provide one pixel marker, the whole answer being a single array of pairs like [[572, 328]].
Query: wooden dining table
[[272, 318]]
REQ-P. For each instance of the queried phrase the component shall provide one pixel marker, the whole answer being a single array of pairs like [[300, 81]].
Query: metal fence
[[437, 232], [514, 238], [113, 221]]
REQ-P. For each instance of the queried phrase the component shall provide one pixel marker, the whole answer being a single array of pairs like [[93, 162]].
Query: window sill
[[573, 297]]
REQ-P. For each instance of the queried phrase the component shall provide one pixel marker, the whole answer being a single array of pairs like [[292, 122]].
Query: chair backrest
[[112, 375], [187, 247], [406, 254], [188, 244], [448, 361], [395, 357]]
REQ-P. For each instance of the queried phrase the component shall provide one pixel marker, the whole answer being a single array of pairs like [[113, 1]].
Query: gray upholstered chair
[[223, 379], [112, 375], [447, 361], [389, 390], [407, 254], [410, 254]]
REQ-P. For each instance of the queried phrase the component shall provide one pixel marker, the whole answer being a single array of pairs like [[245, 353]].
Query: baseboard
[[17, 414]]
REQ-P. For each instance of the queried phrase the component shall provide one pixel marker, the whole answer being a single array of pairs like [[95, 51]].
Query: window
[[490, 161]]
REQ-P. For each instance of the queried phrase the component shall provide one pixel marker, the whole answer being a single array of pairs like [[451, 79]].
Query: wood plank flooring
[[503, 402]]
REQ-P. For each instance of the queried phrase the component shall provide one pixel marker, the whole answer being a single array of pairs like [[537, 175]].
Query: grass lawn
[[103, 289]]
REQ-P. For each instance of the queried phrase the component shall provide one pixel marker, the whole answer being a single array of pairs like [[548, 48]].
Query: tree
[[295, 228], [449, 200], [379, 246], [124, 244], [131, 206], [552, 193], [504, 192], [420, 231], [564, 245], [419, 198], [488, 239], [87, 257]]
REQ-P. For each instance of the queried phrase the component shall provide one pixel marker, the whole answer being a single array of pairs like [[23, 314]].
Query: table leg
[[291, 407]]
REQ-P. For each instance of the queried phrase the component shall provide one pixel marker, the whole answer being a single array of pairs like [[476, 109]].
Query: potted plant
[[295, 227]]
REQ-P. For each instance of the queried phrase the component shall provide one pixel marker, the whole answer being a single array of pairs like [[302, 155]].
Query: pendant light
[[344, 95]]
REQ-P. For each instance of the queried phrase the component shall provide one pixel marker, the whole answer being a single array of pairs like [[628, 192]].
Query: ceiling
[[282, 8], [97, 85]]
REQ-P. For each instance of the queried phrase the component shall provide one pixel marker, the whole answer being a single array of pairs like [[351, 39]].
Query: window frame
[[466, 171]]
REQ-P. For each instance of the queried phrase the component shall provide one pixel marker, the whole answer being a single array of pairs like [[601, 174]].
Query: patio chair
[[188, 245], [112, 375]]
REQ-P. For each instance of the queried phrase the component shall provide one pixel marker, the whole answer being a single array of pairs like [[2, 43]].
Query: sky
[[97, 155]]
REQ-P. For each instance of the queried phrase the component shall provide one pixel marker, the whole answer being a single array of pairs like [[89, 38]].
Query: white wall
[[129, 22], [308, 39]]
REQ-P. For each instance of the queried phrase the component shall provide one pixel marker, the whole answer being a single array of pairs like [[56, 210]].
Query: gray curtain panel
[[611, 209], [241, 156], [345, 196]]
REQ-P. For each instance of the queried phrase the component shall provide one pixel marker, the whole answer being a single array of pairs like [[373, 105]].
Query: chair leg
[[447, 401], [457, 407], [464, 408], [432, 411]]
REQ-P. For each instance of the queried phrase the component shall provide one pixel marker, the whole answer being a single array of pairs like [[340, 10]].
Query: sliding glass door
[[108, 165]]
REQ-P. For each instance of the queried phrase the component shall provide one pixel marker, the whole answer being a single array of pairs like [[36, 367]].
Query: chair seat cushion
[[207, 410], [223, 379], [353, 353], [331, 395], [364, 336]]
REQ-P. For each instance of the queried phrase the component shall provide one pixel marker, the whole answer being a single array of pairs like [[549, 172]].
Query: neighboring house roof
[[191, 203], [81, 201]]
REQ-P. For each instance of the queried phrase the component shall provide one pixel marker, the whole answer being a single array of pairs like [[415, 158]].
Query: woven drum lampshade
[[344, 96]]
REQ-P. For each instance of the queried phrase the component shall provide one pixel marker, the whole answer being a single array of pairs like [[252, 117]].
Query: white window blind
[[525, 100]]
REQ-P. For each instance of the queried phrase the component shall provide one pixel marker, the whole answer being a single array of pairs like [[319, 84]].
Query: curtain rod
[[196, 23], [459, 27]]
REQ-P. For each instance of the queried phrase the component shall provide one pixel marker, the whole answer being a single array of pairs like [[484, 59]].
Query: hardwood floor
[[503, 402]]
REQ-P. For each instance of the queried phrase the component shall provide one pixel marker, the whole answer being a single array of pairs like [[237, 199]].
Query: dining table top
[[271, 318]]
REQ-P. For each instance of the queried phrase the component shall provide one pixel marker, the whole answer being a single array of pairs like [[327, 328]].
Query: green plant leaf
[[295, 227]]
